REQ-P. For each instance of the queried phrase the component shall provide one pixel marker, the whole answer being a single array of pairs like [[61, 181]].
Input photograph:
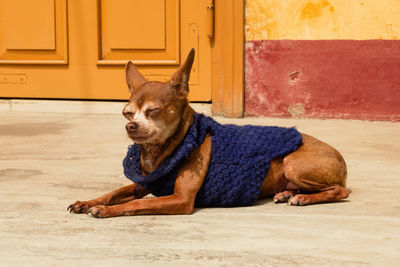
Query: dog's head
[[155, 108]]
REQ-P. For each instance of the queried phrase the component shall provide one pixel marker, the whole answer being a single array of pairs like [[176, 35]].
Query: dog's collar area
[[193, 139]]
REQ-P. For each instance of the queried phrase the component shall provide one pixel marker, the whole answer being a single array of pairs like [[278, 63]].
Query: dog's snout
[[132, 126]]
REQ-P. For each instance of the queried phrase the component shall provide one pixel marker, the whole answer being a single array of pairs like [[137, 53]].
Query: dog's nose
[[131, 126]]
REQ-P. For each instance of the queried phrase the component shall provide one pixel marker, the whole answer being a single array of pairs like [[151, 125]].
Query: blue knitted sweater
[[239, 161]]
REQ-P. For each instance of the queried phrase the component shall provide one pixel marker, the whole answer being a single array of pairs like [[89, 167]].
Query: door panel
[[94, 39], [124, 20], [37, 29], [146, 32], [33, 32]]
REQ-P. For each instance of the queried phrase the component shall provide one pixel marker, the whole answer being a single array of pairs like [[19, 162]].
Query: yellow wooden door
[[78, 49]]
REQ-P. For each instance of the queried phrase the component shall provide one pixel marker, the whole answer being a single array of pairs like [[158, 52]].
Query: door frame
[[227, 58]]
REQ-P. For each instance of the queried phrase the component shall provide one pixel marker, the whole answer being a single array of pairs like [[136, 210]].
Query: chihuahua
[[188, 160]]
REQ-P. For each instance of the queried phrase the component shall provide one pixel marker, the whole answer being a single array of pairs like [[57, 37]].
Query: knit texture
[[239, 162]]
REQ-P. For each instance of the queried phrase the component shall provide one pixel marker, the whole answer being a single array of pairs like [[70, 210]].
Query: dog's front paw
[[100, 211], [79, 207]]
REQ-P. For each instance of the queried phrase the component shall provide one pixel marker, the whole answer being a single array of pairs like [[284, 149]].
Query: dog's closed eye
[[129, 115], [152, 112]]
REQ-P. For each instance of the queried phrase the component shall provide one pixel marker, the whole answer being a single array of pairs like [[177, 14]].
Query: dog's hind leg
[[316, 172]]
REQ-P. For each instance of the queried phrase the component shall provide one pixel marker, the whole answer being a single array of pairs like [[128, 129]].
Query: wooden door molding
[[227, 59], [33, 32]]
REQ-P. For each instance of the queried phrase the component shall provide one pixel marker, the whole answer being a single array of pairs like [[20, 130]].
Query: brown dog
[[159, 118]]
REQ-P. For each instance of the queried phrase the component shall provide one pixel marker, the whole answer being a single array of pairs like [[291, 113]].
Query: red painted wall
[[323, 79]]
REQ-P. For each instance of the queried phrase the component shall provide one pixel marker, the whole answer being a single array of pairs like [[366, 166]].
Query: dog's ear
[[133, 77], [180, 79]]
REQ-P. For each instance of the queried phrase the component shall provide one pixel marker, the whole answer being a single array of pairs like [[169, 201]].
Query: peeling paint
[[296, 110], [294, 77]]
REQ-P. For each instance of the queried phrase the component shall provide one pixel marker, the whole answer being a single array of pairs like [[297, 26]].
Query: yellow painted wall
[[322, 19]]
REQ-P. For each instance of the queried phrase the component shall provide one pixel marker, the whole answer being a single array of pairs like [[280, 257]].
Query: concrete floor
[[47, 161]]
